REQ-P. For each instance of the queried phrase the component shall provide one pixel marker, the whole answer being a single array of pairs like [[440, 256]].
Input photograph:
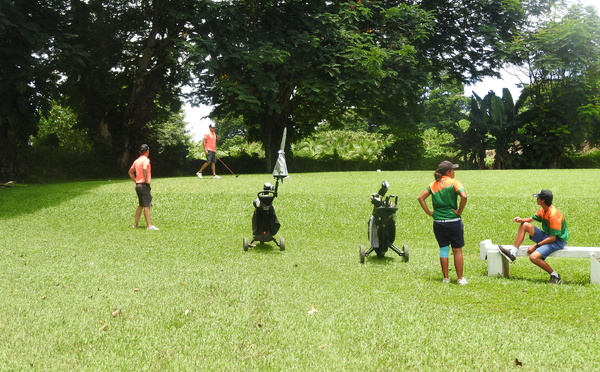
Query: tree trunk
[[272, 132], [12, 166]]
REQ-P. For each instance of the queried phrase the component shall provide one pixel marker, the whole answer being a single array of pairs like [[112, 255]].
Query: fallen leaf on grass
[[187, 312], [323, 346], [104, 327], [260, 325], [517, 363], [116, 313], [312, 310]]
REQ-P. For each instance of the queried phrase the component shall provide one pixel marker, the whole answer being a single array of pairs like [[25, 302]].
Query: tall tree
[[562, 60], [26, 26], [296, 63], [502, 125], [123, 66]]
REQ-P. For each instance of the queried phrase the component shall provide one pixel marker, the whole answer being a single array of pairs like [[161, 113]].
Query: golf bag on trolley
[[382, 225], [264, 220], [265, 223]]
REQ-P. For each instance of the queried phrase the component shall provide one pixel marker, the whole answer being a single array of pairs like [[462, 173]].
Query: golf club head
[[384, 188]]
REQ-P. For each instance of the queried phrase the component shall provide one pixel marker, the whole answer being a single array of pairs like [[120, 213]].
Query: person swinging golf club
[[552, 237], [210, 148]]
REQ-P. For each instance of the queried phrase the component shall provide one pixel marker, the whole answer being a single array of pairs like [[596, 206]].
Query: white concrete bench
[[497, 264]]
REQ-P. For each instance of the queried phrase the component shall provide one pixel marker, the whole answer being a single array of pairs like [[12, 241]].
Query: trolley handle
[[394, 199], [266, 193]]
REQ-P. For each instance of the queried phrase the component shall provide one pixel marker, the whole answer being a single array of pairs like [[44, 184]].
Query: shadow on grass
[[265, 248], [386, 260], [577, 280], [27, 199]]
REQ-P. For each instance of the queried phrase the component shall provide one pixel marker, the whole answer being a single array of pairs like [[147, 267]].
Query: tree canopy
[[296, 63], [120, 67]]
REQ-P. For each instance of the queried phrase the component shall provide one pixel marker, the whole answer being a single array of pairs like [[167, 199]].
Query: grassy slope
[[191, 299]]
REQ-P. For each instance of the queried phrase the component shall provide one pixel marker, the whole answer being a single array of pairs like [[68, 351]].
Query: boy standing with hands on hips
[[141, 173]]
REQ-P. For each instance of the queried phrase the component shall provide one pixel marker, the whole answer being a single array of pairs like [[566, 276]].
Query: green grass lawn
[[188, 297]]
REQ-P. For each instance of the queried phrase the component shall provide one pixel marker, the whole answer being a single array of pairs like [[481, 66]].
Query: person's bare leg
[[458, 262], [444, 264], [525, 227], [138, 214], [203, 166], [536, 258], [147, 216]]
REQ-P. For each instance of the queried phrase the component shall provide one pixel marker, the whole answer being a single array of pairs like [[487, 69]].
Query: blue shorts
[[546, 249], [449, 233]]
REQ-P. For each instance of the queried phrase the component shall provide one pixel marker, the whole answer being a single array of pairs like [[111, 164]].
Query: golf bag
[[382, 225], [264, 219]]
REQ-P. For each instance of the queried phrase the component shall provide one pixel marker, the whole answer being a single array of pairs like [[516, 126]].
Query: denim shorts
[[546, 249], [449, 233]]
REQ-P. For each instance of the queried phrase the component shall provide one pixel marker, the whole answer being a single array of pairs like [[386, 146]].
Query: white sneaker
[[446, 280], [462, 281], [199, 174], [215, 176], [152, 228]]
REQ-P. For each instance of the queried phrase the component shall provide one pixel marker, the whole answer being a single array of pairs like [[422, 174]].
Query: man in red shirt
[[210, 148], [141, 173]]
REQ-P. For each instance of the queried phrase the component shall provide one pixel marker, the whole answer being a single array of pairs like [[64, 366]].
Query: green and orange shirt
[[553, 222], [444, 195]]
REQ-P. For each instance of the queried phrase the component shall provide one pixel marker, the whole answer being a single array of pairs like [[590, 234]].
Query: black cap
[[445, 166], [144, 148], [545, 195], [211, 125]]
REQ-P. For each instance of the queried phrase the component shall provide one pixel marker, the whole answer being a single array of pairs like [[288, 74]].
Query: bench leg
[[595, 268], [496, 264], [505, 267]]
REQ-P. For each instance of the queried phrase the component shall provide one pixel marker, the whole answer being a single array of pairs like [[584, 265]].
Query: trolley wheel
[[405, 250], [246, 245], [363, 254], [281, 244]]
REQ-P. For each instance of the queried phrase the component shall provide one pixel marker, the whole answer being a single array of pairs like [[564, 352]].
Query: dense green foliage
[[26, 27], [120, 70], [560, 102], [188, 298], [294, 64]]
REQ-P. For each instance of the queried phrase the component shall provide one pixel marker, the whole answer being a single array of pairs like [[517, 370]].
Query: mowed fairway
[[81, 290]]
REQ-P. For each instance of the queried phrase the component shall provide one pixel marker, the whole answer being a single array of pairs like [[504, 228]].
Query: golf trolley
[[264, 220], [382, 225]]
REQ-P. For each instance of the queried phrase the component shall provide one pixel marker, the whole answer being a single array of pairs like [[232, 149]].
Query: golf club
[[228, 168]]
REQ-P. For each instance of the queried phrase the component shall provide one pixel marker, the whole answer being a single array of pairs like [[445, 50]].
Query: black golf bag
[[382, 225], [264, 219]]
